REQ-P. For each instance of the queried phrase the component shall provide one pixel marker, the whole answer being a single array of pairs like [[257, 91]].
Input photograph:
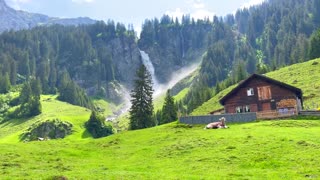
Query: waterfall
[[148, 64], [160, 89]]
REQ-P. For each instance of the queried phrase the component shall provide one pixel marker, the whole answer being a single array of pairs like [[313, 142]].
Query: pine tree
[[218, 88], [5, 84], [24, 67], [241, 73], [25, 94], [157, 117], [52, 79], [30, 99], [169, 110], [35, 107], [13, 72], [96, 126], [35, 85], [141, 112], [70, 92], [315, 45]]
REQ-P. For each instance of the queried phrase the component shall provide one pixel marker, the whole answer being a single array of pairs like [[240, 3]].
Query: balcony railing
[[277, 113]]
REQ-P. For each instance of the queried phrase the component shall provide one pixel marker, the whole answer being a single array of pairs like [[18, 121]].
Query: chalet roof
[[243, 83]]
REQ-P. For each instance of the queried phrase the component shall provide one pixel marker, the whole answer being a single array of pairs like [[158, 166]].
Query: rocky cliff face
[[11, 19], [127, 58]]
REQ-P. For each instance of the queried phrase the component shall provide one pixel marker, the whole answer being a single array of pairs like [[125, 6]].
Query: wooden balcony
[[273, 114]]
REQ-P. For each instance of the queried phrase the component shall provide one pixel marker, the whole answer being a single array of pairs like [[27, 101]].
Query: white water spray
[[159, 88], [175, 77], [148, 64], [125, 105]]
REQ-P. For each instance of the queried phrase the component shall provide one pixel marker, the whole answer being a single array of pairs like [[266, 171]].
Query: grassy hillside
[[305, 76], [269, 150], [51, 109], [159, 101], [106, 108], [181, 94], [283, 149]]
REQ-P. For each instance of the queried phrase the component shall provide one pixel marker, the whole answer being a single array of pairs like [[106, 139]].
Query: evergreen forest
[[77, 61]]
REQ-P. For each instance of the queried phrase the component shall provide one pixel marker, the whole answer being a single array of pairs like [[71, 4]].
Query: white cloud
[[82, 1], [202, 13], [175, 14], [251, 3], [196, 9], [16, 4], [21, 1], [198, 4]]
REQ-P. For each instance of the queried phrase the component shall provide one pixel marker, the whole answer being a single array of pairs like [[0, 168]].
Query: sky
[[131, 11]]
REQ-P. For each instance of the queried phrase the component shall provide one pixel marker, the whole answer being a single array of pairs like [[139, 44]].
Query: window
[[239, 109], [242, 109], [250, 92], [264, 93], [246, 108]]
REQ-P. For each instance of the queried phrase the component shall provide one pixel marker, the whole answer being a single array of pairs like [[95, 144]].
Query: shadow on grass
[[15, 122], [302, 117], [86, 134]]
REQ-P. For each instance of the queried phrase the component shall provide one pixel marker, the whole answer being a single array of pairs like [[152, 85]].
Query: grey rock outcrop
[[50, 129], [127, 59]]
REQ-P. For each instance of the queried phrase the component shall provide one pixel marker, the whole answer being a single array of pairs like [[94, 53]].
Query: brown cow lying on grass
[[217, 125]]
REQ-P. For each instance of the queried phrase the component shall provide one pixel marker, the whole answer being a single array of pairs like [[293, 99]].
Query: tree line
[[255, 40], [62, 58]]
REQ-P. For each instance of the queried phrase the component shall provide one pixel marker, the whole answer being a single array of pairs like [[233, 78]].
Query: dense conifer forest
[[65, 59]]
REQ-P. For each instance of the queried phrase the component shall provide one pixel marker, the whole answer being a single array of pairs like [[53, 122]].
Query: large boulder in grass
[[50, 129]]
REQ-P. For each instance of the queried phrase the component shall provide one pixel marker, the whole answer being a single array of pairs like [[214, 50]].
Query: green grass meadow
[[284, 149]]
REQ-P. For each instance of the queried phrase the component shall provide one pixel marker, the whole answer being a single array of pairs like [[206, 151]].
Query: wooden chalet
[[268, 97]]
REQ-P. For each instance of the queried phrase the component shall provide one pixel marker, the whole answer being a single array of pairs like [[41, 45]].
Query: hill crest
[[11, 19], [301, 75]]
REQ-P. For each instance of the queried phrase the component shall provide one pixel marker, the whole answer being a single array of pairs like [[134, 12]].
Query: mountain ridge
[[12, 19]]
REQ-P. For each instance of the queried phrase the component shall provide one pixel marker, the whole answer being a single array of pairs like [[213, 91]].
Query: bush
[[97, 127], [14, 101]]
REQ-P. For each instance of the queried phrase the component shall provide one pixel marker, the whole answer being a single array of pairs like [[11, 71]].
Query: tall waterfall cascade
[[160, 89], [148, 64], [175, 76]]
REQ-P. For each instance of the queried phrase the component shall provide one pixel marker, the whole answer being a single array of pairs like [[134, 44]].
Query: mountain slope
[[11, 19], [302, 75]]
